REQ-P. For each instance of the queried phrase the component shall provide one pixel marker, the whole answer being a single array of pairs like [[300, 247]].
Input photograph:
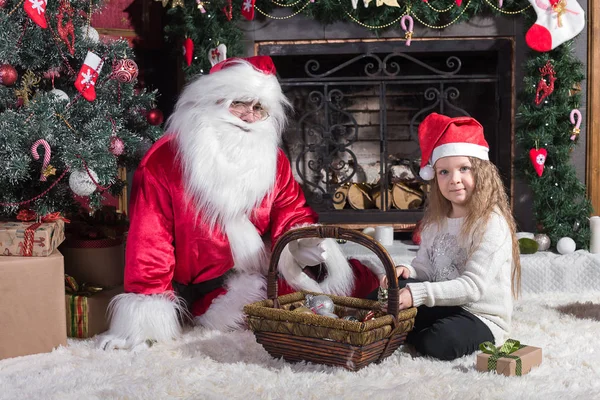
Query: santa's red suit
[[203, 198]]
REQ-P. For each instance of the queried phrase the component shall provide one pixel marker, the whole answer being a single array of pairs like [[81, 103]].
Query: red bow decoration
[[25, 215]]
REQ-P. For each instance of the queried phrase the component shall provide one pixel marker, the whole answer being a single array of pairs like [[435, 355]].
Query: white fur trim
[[226, 311], [459, 149], [339, 280], [135, 318], [247, 246], [427, 173]]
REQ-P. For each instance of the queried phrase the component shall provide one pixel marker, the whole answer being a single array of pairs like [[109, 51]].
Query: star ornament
[[247, 6]]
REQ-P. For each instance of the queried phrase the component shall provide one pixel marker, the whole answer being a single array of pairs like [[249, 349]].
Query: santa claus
[[202, 199]]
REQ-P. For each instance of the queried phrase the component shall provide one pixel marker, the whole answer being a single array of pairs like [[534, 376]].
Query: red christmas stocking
[[88, 74], [557, 22], [36, 9], [248, 9]]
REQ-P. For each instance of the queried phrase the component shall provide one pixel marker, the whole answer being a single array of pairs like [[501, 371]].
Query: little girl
[[467, 268]]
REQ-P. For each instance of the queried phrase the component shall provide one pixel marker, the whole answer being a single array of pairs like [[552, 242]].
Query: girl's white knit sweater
[[481, 283]]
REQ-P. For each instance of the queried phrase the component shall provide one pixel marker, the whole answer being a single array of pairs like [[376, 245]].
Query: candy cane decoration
[[409, 31], [576, 122], [46, 156]]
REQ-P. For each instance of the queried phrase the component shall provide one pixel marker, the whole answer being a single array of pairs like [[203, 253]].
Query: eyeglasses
[[241, 108]]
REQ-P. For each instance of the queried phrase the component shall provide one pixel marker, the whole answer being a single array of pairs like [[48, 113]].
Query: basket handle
[[335, 232]]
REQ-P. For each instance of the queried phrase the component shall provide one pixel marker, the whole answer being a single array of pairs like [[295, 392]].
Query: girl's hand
[[401, 272], [406, 299]]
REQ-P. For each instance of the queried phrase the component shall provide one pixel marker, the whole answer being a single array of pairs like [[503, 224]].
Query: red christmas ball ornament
[[155, 117], [3, 3], [116, 146], [124, 70], [8, 75]]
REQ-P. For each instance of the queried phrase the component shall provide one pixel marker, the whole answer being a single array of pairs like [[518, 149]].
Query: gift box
[[32, 305], [87, 307], [100, 261], [510, 359], [30, 238]]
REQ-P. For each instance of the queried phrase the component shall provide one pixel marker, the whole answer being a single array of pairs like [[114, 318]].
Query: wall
[[300, 28]]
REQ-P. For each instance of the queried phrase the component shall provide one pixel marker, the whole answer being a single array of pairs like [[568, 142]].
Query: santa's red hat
[[442, 136], [263, 64]]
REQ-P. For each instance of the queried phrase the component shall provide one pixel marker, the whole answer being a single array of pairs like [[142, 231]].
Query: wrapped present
[[32, 295], [510, 359], [86, 307], [101, 261], [31, 238]]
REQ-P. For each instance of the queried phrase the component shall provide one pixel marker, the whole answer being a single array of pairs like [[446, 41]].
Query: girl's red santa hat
[[442, 136]]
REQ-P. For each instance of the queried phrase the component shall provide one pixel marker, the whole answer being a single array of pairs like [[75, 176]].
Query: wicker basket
[[324, 340]]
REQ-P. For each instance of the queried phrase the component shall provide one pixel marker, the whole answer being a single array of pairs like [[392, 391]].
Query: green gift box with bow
[[86, 307], [510, 359]]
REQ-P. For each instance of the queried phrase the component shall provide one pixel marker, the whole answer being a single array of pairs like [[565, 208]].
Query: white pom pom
[[80, 182], [59, 95], [90, 34], [427, 173], [565, 245]]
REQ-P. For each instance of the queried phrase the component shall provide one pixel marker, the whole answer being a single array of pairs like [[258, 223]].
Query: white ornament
[[59, 95], [81, 184], [565, 245], [217, 54], [90, 34]]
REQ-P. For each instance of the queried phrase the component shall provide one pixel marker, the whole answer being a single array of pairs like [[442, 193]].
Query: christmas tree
[[546, 134], [71, 114]]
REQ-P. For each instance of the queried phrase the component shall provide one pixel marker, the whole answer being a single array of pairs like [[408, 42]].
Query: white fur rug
[[212, 365]]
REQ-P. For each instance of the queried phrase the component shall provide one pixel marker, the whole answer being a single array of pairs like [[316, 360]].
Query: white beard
[[229, 167]]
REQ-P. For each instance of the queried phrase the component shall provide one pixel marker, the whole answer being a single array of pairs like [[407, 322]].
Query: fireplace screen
[[352, 137]]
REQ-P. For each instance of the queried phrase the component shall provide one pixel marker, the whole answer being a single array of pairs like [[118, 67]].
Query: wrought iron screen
[[352, 138]]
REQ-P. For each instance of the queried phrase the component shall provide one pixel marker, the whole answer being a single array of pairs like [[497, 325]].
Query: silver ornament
[[320, 304], [576, 226], [80, 182], [543, 241], [90, 34], [59, 95]]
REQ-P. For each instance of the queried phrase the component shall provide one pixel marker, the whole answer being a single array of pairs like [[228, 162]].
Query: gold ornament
[[576, 88], [177, 3], [29, 81], [560, 8], [49, 170]]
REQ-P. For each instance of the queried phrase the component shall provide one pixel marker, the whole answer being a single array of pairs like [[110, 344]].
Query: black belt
[[193, 291]]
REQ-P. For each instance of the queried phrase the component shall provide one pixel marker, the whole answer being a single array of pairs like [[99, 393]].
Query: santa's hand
[[308, 251], [112, 342]]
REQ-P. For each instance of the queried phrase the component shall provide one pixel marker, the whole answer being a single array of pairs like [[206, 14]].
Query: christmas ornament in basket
[[363, 334]]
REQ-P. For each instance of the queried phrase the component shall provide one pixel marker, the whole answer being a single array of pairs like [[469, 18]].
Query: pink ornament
[[409, 29], [576, 122], [116, 146], [124, 70], [3, 3], [47, 154]]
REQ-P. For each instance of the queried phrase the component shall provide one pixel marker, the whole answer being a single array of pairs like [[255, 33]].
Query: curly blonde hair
[[488, 194]]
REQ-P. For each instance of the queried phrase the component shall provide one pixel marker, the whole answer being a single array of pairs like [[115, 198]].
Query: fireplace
[[352, 138]]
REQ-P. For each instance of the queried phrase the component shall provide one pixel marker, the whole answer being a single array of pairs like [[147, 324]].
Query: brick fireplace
[[352, 138]]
